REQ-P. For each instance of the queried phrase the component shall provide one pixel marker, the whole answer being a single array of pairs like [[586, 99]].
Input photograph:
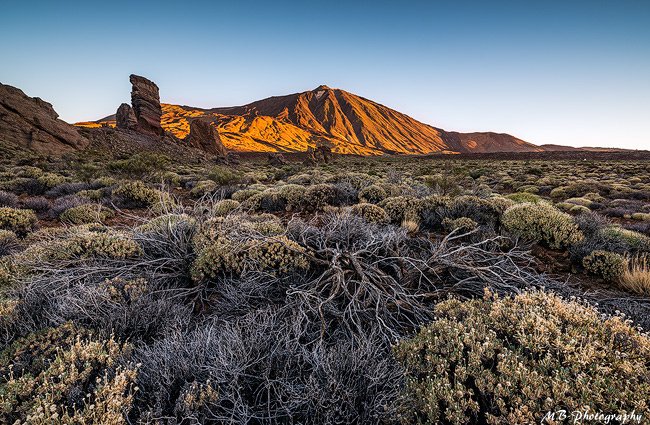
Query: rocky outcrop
[[31, 122], [125, 118], [145, 100], [276, 159], [203, 135]]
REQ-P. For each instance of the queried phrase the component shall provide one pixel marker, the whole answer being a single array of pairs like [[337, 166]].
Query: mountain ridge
[[351, 124]]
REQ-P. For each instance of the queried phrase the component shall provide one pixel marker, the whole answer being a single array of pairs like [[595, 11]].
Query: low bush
[[318, 196], [607, 265], [86, 213], [542, 223], [371, 213], [510, 360], [8, 242], [64, 375], [636, 276], [462, 224], [225, 256], [400, 208], [372, 194], [521, 197], [136, 194], [8, 199], [224, 176], [17, 220]]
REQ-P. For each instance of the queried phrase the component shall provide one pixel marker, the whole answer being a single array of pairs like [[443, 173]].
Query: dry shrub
[[510, 360], [636, 277], [542, 223]]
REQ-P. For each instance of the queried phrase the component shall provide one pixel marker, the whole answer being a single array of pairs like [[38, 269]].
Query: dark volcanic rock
[[276, 159], [125, 118], [203, 135], [32, 123], [145, 100]]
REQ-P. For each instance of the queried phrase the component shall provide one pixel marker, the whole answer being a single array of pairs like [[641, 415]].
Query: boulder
[[145, 100], [276, 159], [125, 118], [203, 135], [32, 123]]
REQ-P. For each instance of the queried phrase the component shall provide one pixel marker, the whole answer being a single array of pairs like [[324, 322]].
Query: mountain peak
[[322, 87]]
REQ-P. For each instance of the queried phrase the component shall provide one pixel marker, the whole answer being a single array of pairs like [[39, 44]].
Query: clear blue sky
[[568, 72]]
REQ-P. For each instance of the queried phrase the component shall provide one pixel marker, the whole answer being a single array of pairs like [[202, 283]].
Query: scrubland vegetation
[[367, 290]]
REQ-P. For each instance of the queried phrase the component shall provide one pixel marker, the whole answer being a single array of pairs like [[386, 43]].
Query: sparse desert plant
[[136, 194], [372, 194], [400, 208], [636, 276], [86, 213], [521, 197], [224, 176], [371, 213], [542, 223], [64, 375], [225, 256], [19, 221], [203, 188], [608, 265], [462, 224], [243, 194], [318, 196], [8, 242], [8, 199], [225, 207], [510, 360]]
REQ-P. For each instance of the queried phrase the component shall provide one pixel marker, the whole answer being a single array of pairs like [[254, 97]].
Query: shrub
[[293, 196], [8, 199], [48, 181], [371, 213], [225, 256], [521, 197], [203, 188], [17, 220], [8, 242], [463, 224], [372, 194], [86, 213], [318, 196], [400, 208], [139, 164], [37, 203], [224, 176], [636, 277], [243, 194], [542, 223], [224, 207], [608, 265], [64, 375], [136, 194], [511, 360]]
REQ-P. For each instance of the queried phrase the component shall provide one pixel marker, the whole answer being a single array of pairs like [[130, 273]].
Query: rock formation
[[203, 135], [32, 123], [145, 100], [125, 118], [276, 159]]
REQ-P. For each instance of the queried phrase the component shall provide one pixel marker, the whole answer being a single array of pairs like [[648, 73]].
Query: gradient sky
[[566, 72]]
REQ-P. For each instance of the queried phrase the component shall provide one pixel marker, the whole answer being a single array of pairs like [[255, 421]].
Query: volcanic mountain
[[349, 123]]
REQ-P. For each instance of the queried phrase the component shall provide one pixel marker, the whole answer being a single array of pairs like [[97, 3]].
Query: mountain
[[350, 123]]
